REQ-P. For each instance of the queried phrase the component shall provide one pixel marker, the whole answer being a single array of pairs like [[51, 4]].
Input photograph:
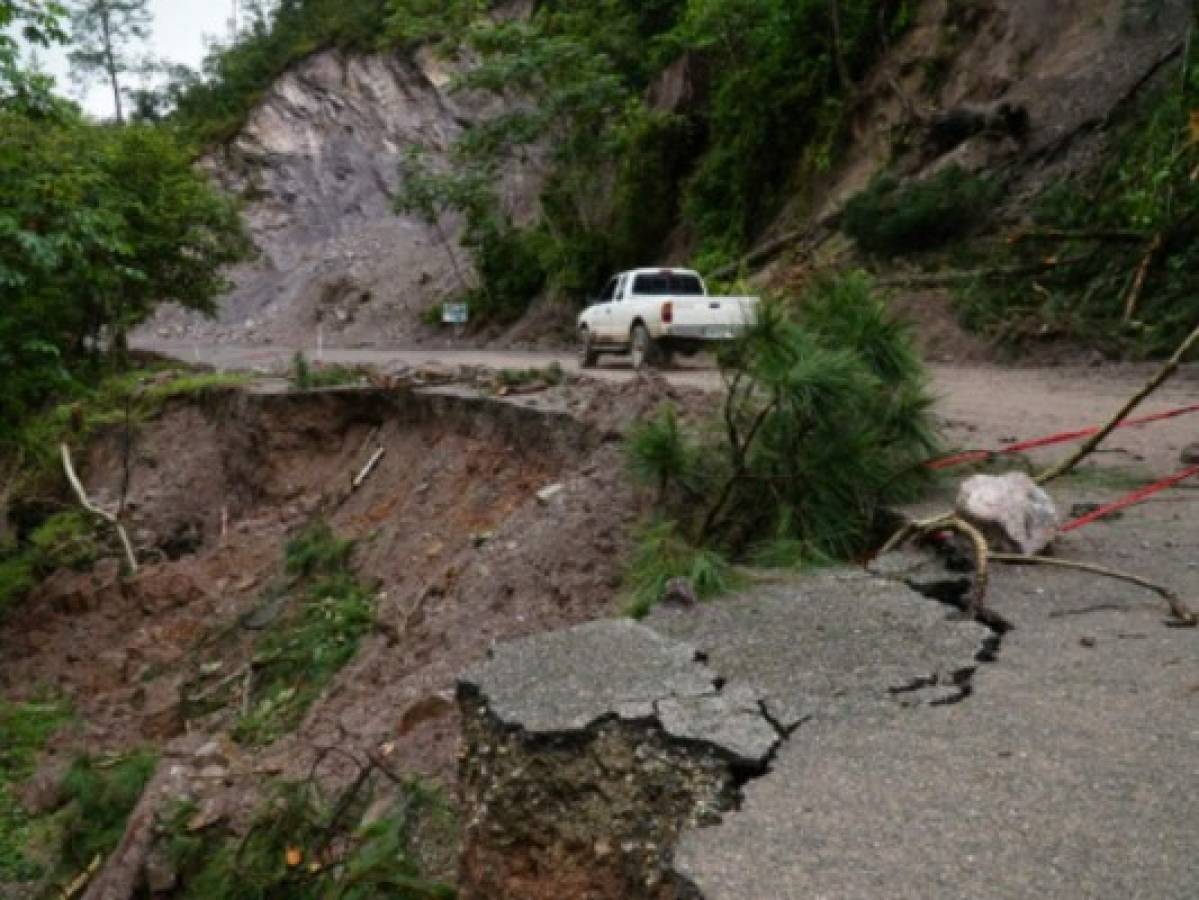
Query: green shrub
[[661, 554], [306, 378], [66, 540], [826, 418], [316, 550], [892, 217], [16, 578], [335, 858], [101, 794], [304, 649], [26, 727]]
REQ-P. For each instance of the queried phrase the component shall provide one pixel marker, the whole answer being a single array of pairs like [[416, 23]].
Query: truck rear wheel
[[588, 357], [641, 348]]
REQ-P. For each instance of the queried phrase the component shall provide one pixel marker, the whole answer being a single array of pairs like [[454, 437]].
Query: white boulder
[[1012, 511]]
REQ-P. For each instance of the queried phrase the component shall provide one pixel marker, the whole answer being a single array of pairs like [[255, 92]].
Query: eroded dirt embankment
[[454, 527]]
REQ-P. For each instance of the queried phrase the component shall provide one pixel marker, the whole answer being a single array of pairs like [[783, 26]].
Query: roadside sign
[[455, 313]]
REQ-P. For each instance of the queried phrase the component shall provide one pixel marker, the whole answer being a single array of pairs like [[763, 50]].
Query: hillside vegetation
[[622, 171], [686, 128]]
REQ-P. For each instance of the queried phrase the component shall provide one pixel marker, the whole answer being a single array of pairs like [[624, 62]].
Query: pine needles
[[825, 419]]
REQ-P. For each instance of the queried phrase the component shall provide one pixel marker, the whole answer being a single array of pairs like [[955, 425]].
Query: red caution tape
[[1132, 499], [1064, 437]]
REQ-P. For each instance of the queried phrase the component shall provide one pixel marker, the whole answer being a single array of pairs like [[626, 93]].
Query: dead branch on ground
[[1058, 234], [1183, 615], [1163, 375], [367, 469], [976, 605], [81, 494], [1138, 282], [996, 273]]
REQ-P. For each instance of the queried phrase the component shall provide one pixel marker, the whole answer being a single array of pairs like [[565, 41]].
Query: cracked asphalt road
[[1070, 771]]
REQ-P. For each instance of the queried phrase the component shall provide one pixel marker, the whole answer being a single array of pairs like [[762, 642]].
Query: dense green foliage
[[297, 657], [891, 218], [38, 22], [306, 846], [661, 555], [26, 728], [1112, 258], [97, 227], [826, 418]]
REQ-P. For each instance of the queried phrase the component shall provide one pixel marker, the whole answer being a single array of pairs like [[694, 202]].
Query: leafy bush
[[66, 540], [891, 217], [826, 418], [99, 226], [317, 551]]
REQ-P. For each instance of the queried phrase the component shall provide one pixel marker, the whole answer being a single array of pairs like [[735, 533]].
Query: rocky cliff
[[316, 165]]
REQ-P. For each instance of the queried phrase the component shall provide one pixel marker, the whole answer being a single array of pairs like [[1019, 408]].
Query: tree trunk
[[111, 65], [838, 54]]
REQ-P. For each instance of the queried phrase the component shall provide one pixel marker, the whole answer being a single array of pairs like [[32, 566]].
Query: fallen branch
[[976, 605], [956, 276], [368, 468], [79, 882], [1138, 282], [1056, 234], [1178, 609], [1164, 374], [77, 487]]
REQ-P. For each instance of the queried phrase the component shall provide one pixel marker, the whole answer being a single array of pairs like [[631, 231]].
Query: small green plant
[[66, 540], [552, 375], [661, 554], [892, 217], [306, 378], [101, 793], [26, 727], [16, 576], [296, 659], [304, 846], [316, 550]]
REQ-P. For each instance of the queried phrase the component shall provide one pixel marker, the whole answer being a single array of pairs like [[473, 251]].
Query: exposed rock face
[[317, 164]]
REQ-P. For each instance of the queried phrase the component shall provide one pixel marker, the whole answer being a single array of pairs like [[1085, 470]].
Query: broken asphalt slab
[[567, 682], [1068, 769]]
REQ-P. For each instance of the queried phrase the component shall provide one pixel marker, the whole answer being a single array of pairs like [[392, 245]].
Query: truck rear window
[[663, 284]]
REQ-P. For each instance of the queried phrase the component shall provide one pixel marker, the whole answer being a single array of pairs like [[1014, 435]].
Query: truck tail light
[[667, 313]]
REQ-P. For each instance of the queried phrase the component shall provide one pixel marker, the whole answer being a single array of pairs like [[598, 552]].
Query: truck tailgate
[[713, 318]]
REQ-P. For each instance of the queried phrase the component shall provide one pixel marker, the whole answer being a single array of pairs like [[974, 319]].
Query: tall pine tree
[[104, 33]]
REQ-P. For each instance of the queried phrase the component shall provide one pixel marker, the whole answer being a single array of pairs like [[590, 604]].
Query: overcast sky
[[180, 29]]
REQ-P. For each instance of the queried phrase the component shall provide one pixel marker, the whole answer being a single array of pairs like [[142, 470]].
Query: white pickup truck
[[653, 313]]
